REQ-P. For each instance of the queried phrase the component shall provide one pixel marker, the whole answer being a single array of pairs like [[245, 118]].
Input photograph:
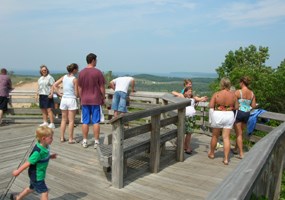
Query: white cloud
[[262, 12]]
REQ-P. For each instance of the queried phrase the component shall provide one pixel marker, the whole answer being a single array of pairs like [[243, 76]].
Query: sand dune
[[30, 86]]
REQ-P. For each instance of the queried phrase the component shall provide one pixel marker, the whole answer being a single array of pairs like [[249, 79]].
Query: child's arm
[[177, 94], [21, 168], [198, 99]]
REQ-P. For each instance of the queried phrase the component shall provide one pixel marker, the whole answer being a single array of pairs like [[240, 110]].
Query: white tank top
[[68, 87], [190, 110]]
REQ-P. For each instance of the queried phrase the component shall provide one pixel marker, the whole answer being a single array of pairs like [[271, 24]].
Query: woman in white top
[[45, 93], [68, 104]]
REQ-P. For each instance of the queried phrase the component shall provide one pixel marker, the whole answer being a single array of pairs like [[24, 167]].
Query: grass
[[19, 80]]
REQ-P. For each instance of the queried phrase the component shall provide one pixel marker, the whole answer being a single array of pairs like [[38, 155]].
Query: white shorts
[[68, 104], [222, 119]]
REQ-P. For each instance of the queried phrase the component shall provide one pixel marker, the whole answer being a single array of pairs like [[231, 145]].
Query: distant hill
[[173, 74], [147, 82], [194, 74], [157, 78]]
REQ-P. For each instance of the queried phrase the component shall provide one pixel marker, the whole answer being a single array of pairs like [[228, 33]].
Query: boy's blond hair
[[43, 131]]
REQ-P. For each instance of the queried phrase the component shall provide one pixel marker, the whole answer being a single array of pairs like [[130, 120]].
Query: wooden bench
[[150, 136], [132, 145]]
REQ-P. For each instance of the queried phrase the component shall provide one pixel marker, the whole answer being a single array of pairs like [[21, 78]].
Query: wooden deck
[[77, 173]]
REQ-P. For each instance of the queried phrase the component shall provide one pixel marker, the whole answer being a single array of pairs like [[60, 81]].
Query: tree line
[[267, 83]]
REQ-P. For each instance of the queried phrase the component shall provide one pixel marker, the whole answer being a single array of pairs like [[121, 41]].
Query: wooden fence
[[258, 174], [153, 137]]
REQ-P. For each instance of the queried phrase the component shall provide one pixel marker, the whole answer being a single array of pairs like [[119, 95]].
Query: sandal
[[239, 157], [211, 157], [62, 140], [188, 152], [72, 142], [226, 162]]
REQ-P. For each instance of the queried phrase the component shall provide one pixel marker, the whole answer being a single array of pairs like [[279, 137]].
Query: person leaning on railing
[[189, 115]]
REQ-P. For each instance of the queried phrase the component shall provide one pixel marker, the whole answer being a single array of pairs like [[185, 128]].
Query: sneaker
[[84, 144], [96, 145], [51, 125], [219, 145], [44, 124]]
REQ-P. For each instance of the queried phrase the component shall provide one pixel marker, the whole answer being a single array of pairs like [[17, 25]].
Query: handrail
[[118, 137], [151, 112], [253, 172], [259, 174]]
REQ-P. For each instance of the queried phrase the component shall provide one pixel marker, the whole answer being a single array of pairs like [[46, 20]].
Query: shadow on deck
[[77, 173]]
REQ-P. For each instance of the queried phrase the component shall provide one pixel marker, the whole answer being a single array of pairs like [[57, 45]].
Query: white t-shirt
[[45, 83], [122, 83]]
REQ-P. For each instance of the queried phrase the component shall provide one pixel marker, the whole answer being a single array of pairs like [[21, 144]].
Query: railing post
[[180, 135], [278, 171], [155, 144], [118, 154]]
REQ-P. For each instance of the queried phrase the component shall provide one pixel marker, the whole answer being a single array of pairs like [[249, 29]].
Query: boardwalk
[[77, 174]]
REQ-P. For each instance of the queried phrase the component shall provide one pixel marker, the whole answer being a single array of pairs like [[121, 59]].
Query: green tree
[[250, 61], [108, 77], [277, 99]]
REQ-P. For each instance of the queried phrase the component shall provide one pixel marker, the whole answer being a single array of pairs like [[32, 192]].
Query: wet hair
[[225, 83], [186, 81], [43, 131], [41, 67], [90, 57], [72, 67], [3, 71], [245, 80]]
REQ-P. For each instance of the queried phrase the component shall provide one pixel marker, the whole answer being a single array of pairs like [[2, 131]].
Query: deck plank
[[77, 173]]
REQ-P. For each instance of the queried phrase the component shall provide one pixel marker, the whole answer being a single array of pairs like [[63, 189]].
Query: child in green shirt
[[37, 164]]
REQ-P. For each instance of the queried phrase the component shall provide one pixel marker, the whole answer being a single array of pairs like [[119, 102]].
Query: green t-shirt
[[38, 159]]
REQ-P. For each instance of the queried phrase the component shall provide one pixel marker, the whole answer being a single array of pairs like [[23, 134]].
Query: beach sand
[[27, 86]]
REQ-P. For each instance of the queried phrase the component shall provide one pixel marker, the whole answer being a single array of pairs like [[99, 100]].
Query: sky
[[139, 36]]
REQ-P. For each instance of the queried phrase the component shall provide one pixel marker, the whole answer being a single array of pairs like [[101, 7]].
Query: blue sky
[[142, 36]]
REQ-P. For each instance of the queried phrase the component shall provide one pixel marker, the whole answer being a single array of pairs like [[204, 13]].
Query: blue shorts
[[242, 116], [120, 101], [46, 102], [90, 112], [38, 186]]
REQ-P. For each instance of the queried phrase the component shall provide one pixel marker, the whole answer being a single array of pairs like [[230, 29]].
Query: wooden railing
[[23, 105], [259, 174], [158, 121]]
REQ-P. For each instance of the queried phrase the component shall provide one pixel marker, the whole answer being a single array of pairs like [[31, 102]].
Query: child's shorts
[[190, 123], [38, 186]]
